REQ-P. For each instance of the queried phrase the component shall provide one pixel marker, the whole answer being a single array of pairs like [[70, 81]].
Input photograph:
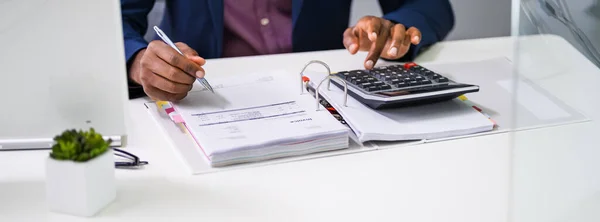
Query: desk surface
[[555, 169]]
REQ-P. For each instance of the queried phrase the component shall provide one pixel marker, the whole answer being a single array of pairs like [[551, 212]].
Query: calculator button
[[419, 78], [402, 84], [392, 68], [428, 73], [387, 77], [413, 83], [436, 76], [365, 85], [358, 81], [372, 88], [378, 83], [425, 81], [442, 79], [409, 65], [371, 79], [395, 81], [384, 87]]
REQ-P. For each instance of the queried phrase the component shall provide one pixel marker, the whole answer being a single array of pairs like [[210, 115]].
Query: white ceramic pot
[[81, 189]]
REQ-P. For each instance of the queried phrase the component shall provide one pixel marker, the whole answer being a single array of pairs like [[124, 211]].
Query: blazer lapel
[[216, 12], [296, 8]]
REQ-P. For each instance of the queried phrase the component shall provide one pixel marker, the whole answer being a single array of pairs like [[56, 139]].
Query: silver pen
[[167, 40]]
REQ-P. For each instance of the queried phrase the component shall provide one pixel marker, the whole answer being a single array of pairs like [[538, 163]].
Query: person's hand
[[381, 38], [164, 73]]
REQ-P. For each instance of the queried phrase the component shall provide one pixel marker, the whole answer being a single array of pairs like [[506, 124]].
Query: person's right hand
[[164, 73]]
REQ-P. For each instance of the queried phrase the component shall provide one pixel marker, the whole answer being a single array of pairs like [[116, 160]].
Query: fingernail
[[352, 47], [200, 74], [393, 51], [369, 64], [373, 36], [416, 39]]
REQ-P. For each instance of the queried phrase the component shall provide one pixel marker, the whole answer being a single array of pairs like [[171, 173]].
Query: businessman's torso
[[316, 24]]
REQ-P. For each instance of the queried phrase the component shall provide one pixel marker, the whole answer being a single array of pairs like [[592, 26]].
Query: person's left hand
[[381, 38]]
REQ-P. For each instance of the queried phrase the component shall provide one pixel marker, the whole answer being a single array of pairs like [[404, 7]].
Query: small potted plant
[[80, 173]]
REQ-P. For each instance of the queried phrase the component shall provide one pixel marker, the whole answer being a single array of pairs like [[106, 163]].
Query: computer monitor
[[61, 67]]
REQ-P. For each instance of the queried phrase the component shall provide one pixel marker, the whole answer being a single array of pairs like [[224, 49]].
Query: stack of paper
[[432, 121], [258, 117]]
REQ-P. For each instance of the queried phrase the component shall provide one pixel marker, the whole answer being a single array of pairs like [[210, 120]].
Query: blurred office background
[[578, 21]]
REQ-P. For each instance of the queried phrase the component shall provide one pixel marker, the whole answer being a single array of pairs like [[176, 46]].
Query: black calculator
[[400, 85]]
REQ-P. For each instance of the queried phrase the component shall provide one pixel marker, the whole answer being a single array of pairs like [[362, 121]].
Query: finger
[[190, 53], [377, 47], [404, 45], [159, 82], [166, 70], [397, 37], [371, 26], [414, 34], [185, 49], [172, 57], [159, 95], [350, 41], [198, 60], [169, 86]]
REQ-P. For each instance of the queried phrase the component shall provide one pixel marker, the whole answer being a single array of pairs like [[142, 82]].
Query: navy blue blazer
[[317, 24]]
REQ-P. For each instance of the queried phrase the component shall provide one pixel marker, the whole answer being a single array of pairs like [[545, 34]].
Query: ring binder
[[307, 64], [329, 76], [328, 84]]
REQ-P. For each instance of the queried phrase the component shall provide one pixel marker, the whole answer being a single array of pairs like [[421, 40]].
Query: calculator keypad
[[393, 78]]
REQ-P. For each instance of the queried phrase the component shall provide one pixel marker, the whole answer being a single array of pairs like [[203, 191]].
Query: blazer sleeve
[[134, 17], [434, 18]]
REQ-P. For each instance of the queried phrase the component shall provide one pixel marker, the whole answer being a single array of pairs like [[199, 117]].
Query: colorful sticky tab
[[162, 103], [177, 119], [462, 98], [170, 110]]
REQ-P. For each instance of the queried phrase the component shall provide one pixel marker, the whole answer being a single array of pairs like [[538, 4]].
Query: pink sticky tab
[[177, 119], [169, 110]]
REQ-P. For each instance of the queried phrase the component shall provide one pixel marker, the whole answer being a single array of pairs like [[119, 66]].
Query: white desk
[[465, 180]]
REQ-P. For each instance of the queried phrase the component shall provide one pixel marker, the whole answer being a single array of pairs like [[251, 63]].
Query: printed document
[[259, 117]]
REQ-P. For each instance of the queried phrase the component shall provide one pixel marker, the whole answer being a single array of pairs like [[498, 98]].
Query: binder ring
[[307, 64], [329, 76], [328, 84]]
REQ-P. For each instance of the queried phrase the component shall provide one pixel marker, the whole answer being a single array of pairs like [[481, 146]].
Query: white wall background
[[474, 18]]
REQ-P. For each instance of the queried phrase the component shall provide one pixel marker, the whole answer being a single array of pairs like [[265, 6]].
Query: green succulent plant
[[79, 146]]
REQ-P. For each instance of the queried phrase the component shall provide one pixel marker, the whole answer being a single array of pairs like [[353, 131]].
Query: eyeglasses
[[133, 162]]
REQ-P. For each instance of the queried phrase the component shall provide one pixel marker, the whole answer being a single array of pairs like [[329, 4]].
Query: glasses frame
[[134, 163]]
